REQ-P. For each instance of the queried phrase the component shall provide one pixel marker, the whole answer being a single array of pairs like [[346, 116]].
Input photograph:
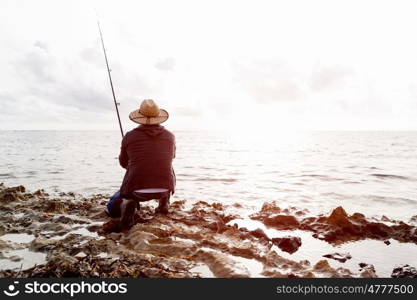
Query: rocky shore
[[69, 235]]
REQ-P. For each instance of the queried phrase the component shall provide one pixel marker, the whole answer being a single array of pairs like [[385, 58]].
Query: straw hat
[[149, 113]]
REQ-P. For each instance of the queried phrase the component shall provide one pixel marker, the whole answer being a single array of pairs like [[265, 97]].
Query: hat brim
[[139, 118]]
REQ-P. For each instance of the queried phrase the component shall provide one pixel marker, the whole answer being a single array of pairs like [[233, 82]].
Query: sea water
[[374, 173]]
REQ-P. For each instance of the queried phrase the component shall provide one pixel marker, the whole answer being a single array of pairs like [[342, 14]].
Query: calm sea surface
[[371, 172]]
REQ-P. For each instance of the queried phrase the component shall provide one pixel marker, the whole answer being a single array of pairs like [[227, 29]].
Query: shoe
[[163, 207], [111, 226], [127, 209]]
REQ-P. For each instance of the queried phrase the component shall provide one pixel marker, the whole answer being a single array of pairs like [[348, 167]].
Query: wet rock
[[217, 206], [277, 274], [111, 226], [100, 215], [292, 210], [367, 270], [168, 246], [64, 266], [341, 257], [404, 271], [358, 217], [259, 233], [16, 189], [55, 207], [338, 227], [322, 265], [178, 204], [42, 244], [9, 197], [386, 219], [69, 194], [80, 255], [305, 262], [342, 272], [12, 194], [243, 229], [377, 229], [281, 221], [288, 244], [52, 227], [268, 209], [15, 258], [338, 216], [221, 265], [94, 228], [64, 220], [217, 226], [44, 217], [40, 193]]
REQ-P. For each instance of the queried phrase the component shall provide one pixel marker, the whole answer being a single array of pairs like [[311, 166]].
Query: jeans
[[113, 206]]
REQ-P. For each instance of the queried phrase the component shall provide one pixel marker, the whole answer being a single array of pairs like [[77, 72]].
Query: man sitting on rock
[[146, 153]]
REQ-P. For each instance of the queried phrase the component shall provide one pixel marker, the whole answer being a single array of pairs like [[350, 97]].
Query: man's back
[[147, 153]]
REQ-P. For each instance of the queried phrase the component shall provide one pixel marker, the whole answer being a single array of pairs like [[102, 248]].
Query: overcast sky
[[212, 64]]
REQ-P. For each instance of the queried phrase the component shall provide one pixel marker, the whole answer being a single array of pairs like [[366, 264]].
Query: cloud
[[57, 73], [35, 66], [268, 81], [328, 77], [41, 45], [8, 104], [93, 54], [186, 111], [57, 81], [167, 64], [51, 87]]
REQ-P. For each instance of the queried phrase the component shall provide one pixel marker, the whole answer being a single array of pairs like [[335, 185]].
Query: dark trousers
[[113, 206]]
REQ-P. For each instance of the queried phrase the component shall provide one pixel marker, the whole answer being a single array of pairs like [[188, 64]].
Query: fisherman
[[146, 153]]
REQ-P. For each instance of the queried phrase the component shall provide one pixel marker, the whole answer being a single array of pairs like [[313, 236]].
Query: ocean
[[374, 173], [370, 172]]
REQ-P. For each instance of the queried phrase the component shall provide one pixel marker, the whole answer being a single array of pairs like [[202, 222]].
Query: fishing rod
[[116, 104]]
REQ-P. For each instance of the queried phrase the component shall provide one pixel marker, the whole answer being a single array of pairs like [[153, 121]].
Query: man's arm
[[123, 158], [175, 148]]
